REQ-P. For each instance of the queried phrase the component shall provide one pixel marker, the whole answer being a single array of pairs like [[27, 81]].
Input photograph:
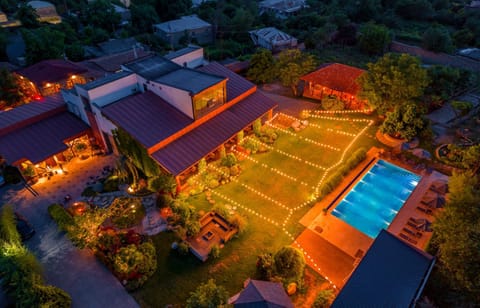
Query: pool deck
[[325, 231]]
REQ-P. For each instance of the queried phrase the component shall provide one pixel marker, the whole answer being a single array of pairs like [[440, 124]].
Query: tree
[[374, 39], [10, 92], [208, 295], [168, 10], [394, 79], [457, 235], [291, 65], [437, 39], [143, 18], [406, 121], [27, 16], [101, 14], [289, 263], [42, 44], [262, 66], [414, 9]]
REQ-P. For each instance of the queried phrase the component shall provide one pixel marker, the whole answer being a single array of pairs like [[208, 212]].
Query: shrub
[[51, 296], [251, 145], [332, 103], [239, 222], [221, 210], [229, 160], [257, 125], [135, 263], [235, 170], [126, 212], [208, 295], [202, 165], [192, 227], [223, 152], [289, 264], [323, 299], [213, 183], [8, 229], [89, 192], [164, 200], [183, 248], [265, 264], [215, 252], [240, 136], [164, 183], [63, 219]]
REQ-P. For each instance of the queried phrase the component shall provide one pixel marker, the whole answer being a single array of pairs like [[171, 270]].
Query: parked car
[[24, 228]]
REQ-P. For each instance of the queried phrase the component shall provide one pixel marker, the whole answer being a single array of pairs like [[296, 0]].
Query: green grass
[[254, 189]]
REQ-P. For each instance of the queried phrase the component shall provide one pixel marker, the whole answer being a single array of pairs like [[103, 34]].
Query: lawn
[[273, 192]]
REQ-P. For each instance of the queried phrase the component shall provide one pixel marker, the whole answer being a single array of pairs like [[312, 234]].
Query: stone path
[[153, 223]]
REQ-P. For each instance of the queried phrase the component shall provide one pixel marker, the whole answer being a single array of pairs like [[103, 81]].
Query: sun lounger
[[412, 232], [407, 238], [414, 225], [424, 210]]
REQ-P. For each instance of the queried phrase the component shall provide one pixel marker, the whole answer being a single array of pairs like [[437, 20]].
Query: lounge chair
[[412, 232], [407, 238], [414, 225], [424, 210]]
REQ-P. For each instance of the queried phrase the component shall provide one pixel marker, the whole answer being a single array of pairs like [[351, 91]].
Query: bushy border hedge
[[336, 177], [21, 271], [63, 219]]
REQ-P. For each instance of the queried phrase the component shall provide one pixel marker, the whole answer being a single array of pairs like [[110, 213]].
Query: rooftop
[[51, 71], [153, 67], [42, 139], [236, 85], [183, 23], [190, 80], [114, 46], [258, 293], [181, 52], [337, 77], [146, 117], [392, 274], [185, 151], [273, 35], [12, 119], [104, 80]]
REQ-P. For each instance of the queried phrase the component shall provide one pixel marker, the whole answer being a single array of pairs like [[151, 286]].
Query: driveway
[[78, 272], [289, 105]]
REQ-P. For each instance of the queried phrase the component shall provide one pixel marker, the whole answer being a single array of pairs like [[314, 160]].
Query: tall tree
[[27, 16], [208, 295], [43, 43], [457, 235], [262, 66], [101, 14], [394, 79], [374, 39], [168, 10], [10, 93], [437, 39], [143, 18], [291, 65], [405, 121]]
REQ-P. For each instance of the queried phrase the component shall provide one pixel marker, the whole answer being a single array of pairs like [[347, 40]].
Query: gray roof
[[181, 52], [40, 4], [190, 22], [153, 67], [104, 80], [392, 274], [118, 45], [273, 35], [260, 293], [190, 80]]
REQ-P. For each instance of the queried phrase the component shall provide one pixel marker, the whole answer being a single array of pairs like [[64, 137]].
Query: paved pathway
[[290, 106], [89, 282]]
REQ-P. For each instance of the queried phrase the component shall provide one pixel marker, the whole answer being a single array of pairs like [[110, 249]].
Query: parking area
[[78, 272]]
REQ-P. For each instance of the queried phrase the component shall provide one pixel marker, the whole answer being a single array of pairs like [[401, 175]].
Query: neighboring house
[[191, 56], [124, 13], [334, 79], [472, 53], [188, 28], [109, 64], [179, 115], [281, 8], [261, 294], [49, 76], [392, 274], [214, 230], [273, 39], [40, 134], [474, 5], [46, 11]]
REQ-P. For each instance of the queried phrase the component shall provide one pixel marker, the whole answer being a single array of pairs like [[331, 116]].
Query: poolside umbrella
[[439, 186], [432, 200], [421, 153]]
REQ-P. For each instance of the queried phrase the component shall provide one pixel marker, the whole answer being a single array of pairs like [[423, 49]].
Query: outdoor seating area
[[432, 200]]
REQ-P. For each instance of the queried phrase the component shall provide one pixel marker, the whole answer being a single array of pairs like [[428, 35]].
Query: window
[[209, 100]]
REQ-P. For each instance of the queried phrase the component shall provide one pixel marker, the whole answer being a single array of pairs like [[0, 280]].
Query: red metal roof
[[336, 76], [112, 63], [29, 113], [236, 84], [51, 71], [42, 139], [185, 151], [146, 117]]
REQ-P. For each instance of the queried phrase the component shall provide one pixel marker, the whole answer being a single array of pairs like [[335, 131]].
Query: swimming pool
[[375, 200]]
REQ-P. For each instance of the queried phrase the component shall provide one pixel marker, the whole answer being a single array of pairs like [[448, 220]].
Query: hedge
[[336, 177], [63, 219], [8, 228]]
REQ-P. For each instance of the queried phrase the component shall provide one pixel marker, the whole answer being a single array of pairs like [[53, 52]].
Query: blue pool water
[[375, 200]]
